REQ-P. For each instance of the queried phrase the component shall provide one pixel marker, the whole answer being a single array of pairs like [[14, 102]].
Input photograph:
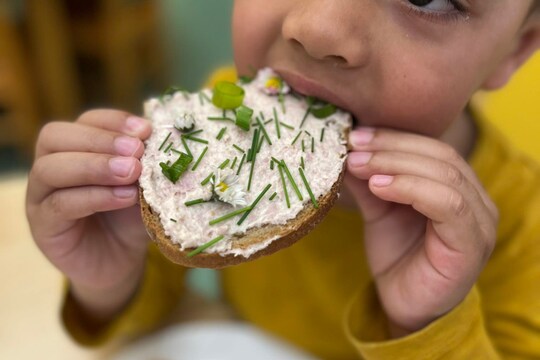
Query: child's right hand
[[81, 206]]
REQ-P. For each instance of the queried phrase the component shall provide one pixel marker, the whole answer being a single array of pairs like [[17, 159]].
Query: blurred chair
[[122, 36], [60, 57], [19, 111]]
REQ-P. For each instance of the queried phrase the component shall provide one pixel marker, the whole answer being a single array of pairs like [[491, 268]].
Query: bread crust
[[289, 233]]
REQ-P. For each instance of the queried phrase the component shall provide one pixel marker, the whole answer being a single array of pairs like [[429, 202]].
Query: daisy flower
[[184, 121], [272, 84], [227, 189]]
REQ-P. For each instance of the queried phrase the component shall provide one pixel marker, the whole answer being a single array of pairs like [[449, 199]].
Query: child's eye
[[438, 10], [434, 5]]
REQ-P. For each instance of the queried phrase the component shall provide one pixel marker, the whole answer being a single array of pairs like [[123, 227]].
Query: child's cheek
[[421, 102]]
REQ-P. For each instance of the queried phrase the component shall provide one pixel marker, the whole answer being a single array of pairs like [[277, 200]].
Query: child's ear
[[527, 44]]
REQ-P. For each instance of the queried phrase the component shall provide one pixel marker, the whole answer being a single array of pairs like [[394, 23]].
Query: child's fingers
[[398, 163], [117, 121], [73, 137], [77, 203], [64, 170], [370, 140], [456, 219]]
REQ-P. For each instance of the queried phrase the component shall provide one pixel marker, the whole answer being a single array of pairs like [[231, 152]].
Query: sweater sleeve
[[460, 334], [499, 319], [157, 296]]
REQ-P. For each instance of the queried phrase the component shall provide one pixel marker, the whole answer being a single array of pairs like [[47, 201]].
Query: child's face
[[406, 64]]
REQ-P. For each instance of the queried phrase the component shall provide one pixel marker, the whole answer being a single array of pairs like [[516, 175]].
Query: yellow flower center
[[273, 83], [222, 186]]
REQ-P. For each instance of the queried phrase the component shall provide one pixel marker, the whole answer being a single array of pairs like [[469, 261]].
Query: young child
[[444, 261]]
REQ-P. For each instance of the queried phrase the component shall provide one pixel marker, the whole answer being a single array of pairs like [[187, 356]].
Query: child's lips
[[308, 87]]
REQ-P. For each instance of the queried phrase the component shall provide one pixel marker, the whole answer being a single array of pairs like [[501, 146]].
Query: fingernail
[[381, 180], [125, 192], [136, 124], [126, 145], [357, 159], [362, 136], [121, 166]]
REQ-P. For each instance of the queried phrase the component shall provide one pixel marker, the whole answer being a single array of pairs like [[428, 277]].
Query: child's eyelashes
[[438, 10]]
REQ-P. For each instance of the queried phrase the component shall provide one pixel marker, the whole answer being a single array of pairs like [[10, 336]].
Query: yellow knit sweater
[[318, 294]]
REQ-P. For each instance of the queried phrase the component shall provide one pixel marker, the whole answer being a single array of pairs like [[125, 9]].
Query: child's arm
[[430, 226], [81, 208]]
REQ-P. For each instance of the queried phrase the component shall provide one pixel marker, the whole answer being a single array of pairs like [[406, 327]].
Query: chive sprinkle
[[253, 157], [297, 137], [241, 164], [272, 165], [263, 129], [234, 162], [273, 195], [176, 151], [205, 97], [224, 164], [229, 215], [195, 202], [286, 125], [268, 121], [239, 149], [312, 144], [173, 220], [168, 147], [219, 118], [196, 139], [252, 206], [262, 114], [305, 116], [276, 120], [201, 248], [284, 186], [253, 149], [186, 146], [199, 159], [303, 146], [207, 180], [260, 141], [307, 132], [201, 99], [221, 133], [281, 100], [313, 200], [291, 179], [164, 141], [191, 133], [302, 164], [322, 134]]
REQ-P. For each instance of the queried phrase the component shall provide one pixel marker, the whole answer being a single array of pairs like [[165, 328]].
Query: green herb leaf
[[174, 171], [243, 117], [324, 111]]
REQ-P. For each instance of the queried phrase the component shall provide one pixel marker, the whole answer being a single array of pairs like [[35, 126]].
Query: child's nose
[[329, 30]]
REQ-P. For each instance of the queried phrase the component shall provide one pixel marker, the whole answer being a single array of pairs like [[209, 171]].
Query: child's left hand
[[430, 227]]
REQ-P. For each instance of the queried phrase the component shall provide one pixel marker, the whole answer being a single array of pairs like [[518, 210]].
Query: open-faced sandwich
[[239, 171]]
